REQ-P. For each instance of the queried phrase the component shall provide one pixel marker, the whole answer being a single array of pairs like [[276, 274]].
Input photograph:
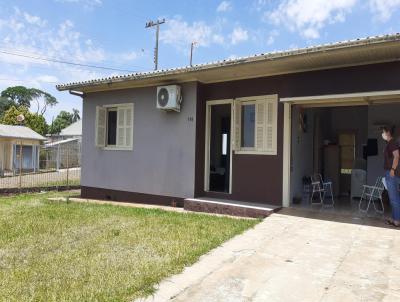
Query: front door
[[218, 162]]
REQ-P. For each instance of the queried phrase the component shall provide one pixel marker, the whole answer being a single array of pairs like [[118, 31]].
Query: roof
[[75, 129], [346, 53], [61, 142], [23, 132]]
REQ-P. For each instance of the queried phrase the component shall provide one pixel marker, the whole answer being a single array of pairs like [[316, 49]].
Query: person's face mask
[[384, 136]]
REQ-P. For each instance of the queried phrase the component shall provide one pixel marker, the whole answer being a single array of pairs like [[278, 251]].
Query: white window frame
[[253, 150], [115, 107]]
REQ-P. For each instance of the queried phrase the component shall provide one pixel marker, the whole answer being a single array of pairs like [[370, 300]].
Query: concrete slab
[[296, 256]]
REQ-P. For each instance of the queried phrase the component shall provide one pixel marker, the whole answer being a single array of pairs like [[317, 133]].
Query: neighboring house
[[249, 129], [72, 131], [62, 154], [11, 140]]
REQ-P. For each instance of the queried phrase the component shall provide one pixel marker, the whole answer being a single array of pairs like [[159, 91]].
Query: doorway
[[218, 147]]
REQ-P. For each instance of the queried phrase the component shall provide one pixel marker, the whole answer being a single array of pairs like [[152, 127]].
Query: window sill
[[117, 148], [253, 152]]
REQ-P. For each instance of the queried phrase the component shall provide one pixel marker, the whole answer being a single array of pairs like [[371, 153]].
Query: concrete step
[[229, 207]]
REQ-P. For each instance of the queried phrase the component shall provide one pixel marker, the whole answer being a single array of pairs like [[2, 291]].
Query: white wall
[[302, 151]]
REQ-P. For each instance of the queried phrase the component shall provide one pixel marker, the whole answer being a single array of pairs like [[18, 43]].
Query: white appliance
[[169, 98]]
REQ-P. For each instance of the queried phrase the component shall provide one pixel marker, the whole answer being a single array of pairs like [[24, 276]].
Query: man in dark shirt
[[392, 173]]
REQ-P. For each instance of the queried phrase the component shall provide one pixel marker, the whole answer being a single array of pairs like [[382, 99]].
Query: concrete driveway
[[296, 255]]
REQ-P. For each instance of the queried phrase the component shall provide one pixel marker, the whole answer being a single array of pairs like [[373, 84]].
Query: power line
[[64, 62]]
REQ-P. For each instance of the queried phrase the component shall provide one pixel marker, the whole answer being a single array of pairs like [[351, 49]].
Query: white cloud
[[181, 34], [239, 35], [271, 36], [309, 17], [34, 20], [88, 4], [224, 6], [384, 9]]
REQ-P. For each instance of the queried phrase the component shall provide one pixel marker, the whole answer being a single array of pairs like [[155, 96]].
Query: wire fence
[[25, 167]]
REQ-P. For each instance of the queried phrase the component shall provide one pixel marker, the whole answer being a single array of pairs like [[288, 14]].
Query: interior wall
[[332, 121], [302, 150], [378, 115], [350, 118]]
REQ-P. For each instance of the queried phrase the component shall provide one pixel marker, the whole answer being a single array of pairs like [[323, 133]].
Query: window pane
[[224, 143], [248, 125], [111, 127]]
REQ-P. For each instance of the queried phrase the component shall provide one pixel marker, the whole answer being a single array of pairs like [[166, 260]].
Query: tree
[[23, 96], [64, 119], [32, 120], [5, 104]]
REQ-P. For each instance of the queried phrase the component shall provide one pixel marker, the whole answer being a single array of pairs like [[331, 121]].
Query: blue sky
[[113, 34]]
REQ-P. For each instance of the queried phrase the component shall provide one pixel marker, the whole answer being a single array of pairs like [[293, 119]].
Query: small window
[[114, 126], [111, 127], [255, 125], [248, 125]]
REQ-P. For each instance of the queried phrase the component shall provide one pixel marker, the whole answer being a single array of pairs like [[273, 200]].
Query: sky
[[112, 34]]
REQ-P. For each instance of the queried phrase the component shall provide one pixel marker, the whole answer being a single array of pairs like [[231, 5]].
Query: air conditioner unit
[[169, 98]]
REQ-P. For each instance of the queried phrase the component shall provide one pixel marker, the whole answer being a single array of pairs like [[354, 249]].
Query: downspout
[[77, 93]]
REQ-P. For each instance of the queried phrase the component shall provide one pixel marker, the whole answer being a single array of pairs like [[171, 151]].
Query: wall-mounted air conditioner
[[169, 98]]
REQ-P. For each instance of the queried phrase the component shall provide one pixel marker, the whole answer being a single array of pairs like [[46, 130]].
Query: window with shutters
[[255, 121], [114, 127]]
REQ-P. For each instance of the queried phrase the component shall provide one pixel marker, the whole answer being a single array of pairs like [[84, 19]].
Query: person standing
[[392, 173]]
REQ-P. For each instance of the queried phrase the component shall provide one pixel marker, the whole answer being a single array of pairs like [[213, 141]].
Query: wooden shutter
[[125, 126], [129, 126], [121, 126], [237, 115], [260, 131], [101, 124], [266, 125], [271, 124]]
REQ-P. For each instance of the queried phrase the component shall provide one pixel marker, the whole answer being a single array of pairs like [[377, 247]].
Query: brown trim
[[133, 197]]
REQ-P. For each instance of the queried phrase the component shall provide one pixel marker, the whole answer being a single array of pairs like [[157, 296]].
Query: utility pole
[[191, 52], [157, 24]]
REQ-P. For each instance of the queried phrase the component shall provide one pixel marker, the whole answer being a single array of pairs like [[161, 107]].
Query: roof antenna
[[192, 45]]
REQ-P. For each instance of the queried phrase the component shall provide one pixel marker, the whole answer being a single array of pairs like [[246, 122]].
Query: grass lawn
[[65, 251]]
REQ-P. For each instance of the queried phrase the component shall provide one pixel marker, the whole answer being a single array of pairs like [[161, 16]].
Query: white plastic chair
[[372, 193], [320, 187]]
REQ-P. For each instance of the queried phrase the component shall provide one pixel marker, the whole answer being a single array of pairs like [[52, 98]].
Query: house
[[61, 154], [248, 129], [12, 138], [72, 131]]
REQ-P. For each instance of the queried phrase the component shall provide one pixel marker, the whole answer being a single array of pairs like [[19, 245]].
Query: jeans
[[394, 194]]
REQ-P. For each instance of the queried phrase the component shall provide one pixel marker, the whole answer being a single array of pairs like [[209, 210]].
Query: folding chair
[[320, 187], [372, 193]]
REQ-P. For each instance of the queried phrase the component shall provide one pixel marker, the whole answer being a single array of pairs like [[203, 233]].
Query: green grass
[[65, 251]]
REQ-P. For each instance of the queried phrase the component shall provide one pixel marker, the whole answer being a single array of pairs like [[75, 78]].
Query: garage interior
[[342, 142]]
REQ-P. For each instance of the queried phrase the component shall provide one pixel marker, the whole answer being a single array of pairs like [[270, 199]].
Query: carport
[[336, 136]]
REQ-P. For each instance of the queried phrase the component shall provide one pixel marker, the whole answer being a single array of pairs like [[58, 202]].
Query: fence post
[[20, 166], [67, 168]]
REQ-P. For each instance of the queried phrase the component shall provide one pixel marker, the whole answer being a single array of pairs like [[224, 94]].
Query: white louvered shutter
[[121, 126], [125, 126], [101, 124], [237, 125], [271, 124], [260, 133], [129, 126]]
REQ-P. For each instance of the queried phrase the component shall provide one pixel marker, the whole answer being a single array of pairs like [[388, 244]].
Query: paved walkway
[[296, 255]]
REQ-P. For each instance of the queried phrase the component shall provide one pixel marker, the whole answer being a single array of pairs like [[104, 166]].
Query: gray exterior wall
[[163, 157]]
